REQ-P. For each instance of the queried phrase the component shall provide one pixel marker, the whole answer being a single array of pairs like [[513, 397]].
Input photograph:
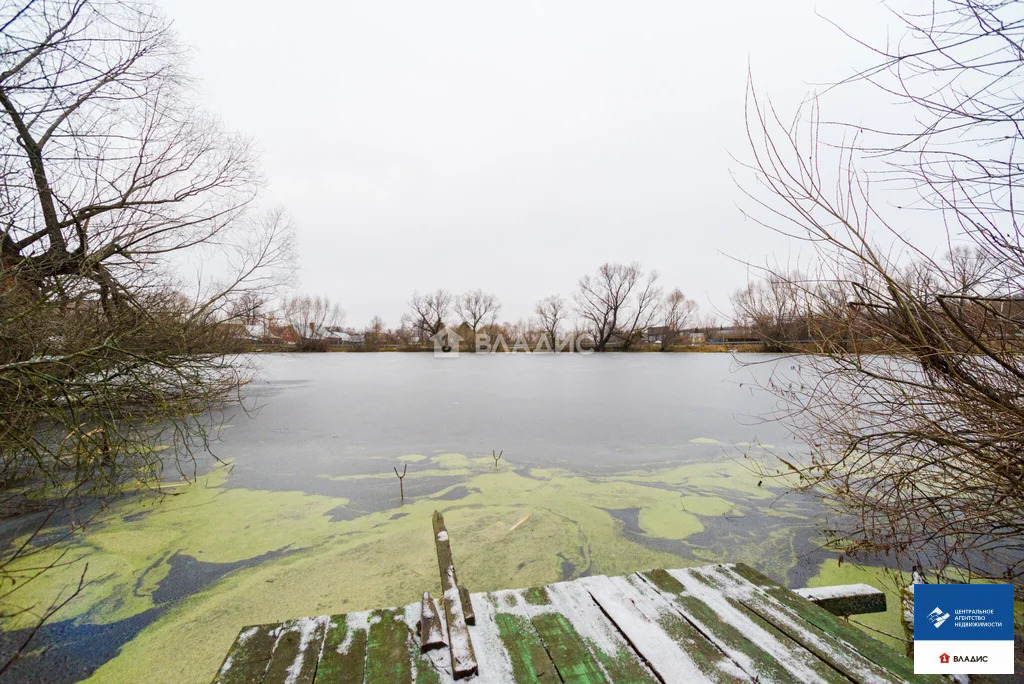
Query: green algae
[[335, 566], [127, 561], [707, 505], [669, 520]]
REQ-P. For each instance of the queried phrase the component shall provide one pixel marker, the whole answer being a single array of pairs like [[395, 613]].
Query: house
[[335, 336], [659, 333], [656, 334]]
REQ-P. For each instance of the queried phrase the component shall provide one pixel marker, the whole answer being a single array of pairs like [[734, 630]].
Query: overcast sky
[[513, 146]]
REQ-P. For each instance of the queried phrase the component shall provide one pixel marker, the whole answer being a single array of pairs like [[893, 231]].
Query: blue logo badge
[[963, 612]]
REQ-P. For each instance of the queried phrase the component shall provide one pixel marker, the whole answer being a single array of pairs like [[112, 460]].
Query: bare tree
[[774, 308], [248, 307], [429, 311], [552, 312], [110, 182], [477, 308], [680, 312], [916, 425], [313, 318], [617, 301], [375, 333], [646, 307]]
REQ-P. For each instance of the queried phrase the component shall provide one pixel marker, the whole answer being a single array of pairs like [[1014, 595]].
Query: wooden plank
[[865, 644], [467, 606], [296, 652], [846, 599], [617, 657], [424, 669], [530, 660], [785, 615], [568, 652], [460, 646], [536, 596], [387, 648], [431, 629], [249, 656], [670, 645], [766, 653], [343, 657]]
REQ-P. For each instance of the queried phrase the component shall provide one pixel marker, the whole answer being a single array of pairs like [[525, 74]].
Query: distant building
[[338, 337], [657, 334], [733, 335]]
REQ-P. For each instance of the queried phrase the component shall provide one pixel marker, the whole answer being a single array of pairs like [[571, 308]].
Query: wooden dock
[[719, 623]]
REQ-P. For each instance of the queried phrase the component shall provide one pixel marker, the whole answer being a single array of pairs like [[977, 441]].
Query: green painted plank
[[884, 656], [387, 649], [344, 653], [296, 652], [536, 596], [617, 657], [734, 627], [568, 651], [249, 656], [530, 660], [839, 654], [674, 648]]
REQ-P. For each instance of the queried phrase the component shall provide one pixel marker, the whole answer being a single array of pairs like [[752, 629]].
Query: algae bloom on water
[[197, 566]]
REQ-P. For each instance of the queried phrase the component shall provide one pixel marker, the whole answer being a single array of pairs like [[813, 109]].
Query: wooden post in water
[[401, 485], [459, 645]]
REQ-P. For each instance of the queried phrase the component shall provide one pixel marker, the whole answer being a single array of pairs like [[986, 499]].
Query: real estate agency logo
[[946, 659], [938, 617]]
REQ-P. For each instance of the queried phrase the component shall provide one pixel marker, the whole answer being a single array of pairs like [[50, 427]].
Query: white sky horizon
[[515, 147]]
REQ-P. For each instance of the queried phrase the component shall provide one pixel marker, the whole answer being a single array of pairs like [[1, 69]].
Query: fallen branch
[[521, 521]]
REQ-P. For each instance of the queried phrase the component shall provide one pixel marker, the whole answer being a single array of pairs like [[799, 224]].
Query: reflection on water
[[621, 462]]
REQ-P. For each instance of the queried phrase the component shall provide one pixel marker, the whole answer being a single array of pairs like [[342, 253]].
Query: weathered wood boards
[[709, 624], [249, 656], [846, 599], [431, 629], [866, 659], [343, 656], [467, 606], [763, 651], [460, 646]]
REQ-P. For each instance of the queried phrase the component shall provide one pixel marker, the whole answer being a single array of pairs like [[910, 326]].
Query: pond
[[610, 463]]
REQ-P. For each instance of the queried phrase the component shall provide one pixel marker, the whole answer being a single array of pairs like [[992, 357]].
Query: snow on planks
[[718, 623]]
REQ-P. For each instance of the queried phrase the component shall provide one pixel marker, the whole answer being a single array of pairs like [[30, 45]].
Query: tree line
[[619, 307]]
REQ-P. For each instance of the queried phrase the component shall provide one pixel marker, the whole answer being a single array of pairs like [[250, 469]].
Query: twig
[[521, 521]]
